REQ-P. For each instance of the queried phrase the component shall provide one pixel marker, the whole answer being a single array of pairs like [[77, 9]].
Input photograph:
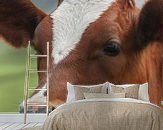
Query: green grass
[[12, 75]]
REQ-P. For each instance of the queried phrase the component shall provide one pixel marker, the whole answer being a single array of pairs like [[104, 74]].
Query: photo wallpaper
[[89, 45]]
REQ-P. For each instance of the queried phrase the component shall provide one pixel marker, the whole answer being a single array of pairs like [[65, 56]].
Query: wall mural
[[91, 42]]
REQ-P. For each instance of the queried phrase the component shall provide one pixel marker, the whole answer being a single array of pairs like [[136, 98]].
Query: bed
[[106, 114], [106, 107]]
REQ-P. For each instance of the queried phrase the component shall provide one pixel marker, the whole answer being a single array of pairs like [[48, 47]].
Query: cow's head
[[94, 41]]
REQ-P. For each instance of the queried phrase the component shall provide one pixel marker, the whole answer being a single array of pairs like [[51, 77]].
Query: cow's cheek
[[59, 77], [84, 72], [113, 67]]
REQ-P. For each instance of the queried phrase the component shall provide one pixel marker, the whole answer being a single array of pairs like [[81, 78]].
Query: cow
[[91, 42]]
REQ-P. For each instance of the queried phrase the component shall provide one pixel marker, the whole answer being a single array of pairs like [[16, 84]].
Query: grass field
[[12, 75]]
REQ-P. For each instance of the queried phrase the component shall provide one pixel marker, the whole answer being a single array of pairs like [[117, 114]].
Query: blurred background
[[12, 68]]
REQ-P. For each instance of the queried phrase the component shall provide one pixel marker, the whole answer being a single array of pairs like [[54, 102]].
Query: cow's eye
[[111, 49]]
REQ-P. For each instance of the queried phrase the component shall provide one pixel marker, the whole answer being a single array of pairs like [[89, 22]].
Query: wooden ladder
[[29, 70]]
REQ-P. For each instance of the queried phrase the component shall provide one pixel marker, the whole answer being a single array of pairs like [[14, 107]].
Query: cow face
[[98, 41], [92, 43]]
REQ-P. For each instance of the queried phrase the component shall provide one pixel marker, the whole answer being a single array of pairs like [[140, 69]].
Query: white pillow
[[131, 90], [143, 92], [76, 92], [161, 103], [101, 95], [71, 93]]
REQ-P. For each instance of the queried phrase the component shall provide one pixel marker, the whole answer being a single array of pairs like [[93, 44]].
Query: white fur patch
[[70, 21], [39, 97]]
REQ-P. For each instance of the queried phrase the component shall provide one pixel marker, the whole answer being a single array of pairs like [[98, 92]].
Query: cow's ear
[[150, 24], [18, 20], [59, 2]]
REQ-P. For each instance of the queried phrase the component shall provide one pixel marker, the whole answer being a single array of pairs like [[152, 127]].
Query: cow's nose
[[21, 108], [33, 109]]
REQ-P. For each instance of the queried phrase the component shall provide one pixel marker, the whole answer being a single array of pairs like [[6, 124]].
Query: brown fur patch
[[43, 34], [19, 18], [150, 24]]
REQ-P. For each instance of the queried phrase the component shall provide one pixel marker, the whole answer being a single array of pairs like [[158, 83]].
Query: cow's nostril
[[21, 109]]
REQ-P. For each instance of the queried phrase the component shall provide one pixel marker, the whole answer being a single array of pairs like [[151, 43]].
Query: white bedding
[[127, 100], [104, 114]]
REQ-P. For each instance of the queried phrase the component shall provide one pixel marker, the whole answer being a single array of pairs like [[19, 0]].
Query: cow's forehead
[[70, 21]]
